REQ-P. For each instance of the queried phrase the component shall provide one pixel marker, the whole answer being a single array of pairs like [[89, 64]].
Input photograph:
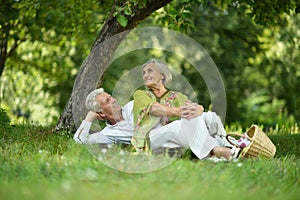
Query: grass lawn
[[38, 164]]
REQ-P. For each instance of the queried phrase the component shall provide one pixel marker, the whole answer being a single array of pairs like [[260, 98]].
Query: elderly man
[[119, 128], [119, 120]]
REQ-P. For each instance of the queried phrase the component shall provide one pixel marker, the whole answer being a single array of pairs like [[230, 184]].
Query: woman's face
[[151, 75]]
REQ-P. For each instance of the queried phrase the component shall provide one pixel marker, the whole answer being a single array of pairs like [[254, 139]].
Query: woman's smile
[[151, 74]]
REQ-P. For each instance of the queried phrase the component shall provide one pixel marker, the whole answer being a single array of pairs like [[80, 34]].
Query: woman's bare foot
[[222, 152]]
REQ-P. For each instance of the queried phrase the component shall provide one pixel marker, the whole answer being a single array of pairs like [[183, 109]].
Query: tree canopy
[[255, 44]]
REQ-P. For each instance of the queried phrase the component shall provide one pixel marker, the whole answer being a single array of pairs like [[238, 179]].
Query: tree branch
[[139, 15]]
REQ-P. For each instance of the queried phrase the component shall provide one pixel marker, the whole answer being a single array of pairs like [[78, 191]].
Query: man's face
[[109, 105]]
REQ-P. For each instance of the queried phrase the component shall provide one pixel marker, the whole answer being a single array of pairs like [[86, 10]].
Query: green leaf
[[142, 3], [122, 20], [128, 11]]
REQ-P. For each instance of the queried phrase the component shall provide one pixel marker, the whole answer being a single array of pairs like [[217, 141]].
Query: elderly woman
[[165, 117]]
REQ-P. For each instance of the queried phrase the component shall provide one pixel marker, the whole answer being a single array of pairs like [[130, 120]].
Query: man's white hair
[[91, 104]]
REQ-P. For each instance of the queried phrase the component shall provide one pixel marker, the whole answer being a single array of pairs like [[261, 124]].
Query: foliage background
[[258, 59], [47, 41]]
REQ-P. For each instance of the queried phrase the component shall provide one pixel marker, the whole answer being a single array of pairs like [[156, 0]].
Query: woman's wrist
[[176, 111]]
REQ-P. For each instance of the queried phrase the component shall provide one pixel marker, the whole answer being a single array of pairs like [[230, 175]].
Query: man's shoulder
[[127, 112], [128, 105]]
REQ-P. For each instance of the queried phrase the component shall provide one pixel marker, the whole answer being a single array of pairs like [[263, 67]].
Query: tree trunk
[[3, 55], [92, 69]]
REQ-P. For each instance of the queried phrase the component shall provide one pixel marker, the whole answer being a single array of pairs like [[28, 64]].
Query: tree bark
[[92, 69]]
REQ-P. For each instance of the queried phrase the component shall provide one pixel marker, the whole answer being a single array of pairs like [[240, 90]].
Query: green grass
[[38, 164]]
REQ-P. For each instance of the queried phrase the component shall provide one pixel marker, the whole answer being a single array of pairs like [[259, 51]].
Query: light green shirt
[[144, 121]]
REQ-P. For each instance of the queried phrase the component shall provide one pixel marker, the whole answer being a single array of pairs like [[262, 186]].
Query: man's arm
[[82, 133]]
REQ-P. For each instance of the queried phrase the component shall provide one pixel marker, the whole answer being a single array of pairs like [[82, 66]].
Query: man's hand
[[91, 116]]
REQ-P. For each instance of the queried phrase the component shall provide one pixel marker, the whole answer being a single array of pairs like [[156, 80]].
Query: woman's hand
[[191, 110]]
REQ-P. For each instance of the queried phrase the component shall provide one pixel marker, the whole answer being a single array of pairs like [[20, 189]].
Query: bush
[[5, 120]]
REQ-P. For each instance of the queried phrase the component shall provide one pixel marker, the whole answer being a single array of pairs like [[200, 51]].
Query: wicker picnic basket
[[260, 143]]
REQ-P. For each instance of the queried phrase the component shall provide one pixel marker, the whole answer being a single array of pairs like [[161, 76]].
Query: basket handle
[[236, 134]]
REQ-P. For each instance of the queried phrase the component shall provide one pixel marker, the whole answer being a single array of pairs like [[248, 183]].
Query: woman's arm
[[161, 110]]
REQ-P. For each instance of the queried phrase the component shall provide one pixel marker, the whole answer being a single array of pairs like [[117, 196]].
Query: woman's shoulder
[[139, 92], [177, 94]]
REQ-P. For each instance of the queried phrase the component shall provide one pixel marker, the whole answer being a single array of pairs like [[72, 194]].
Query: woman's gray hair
[[90, 103], [162, 68]]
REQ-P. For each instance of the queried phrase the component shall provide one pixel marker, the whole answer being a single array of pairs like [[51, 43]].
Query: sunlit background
[[259, 64]]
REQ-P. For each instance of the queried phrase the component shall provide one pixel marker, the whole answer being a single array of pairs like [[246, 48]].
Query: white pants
[[215, 128], [200, 134]]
